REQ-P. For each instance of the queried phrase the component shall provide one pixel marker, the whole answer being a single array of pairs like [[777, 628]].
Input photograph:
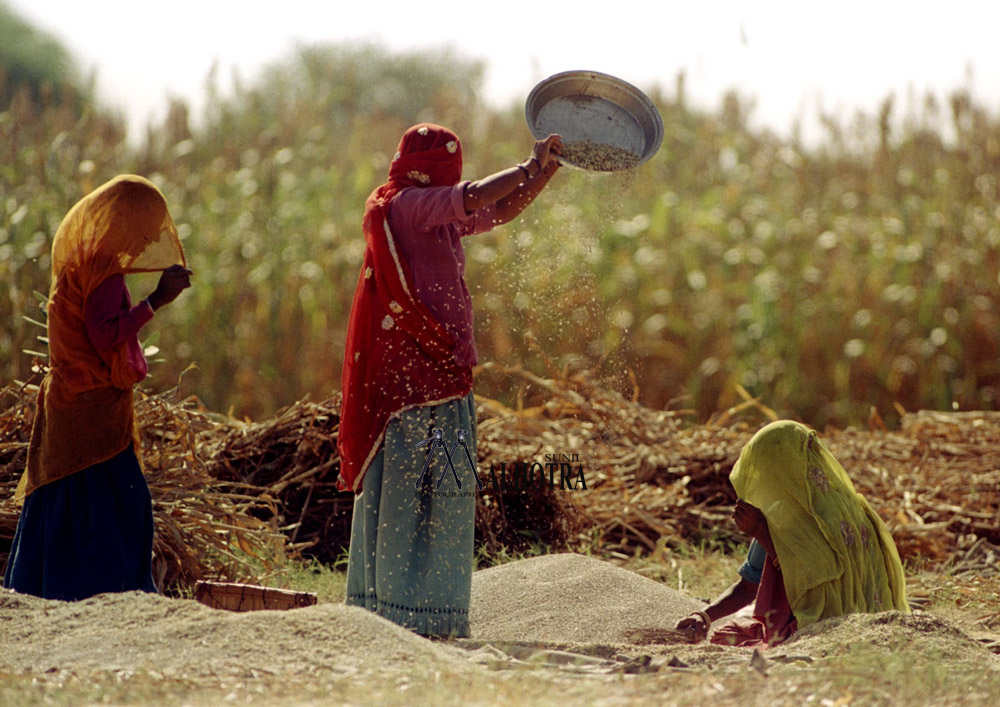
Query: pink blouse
[[112, 320], [427, 224]]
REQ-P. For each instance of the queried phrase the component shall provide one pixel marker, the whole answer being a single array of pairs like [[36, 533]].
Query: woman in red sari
[[408, 372]]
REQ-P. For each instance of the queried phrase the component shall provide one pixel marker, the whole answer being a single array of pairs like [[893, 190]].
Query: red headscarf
[[399, 356]]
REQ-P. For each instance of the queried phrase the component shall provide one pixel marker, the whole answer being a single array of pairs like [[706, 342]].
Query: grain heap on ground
[[570, 598], [538, 612], [134, 631]]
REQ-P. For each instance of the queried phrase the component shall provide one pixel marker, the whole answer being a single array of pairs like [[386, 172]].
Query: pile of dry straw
[[199, 524], [652, 478]]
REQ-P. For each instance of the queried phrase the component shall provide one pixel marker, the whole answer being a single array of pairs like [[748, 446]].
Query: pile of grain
[[182, 638], [538, 612], [557, 599], [570, 598], [599, 157], [891, 632]]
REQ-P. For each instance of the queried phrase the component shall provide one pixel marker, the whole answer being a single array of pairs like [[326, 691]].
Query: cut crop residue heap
[[598, 157]]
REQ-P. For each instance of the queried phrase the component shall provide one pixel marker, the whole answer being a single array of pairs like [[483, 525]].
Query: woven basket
[[249, 597]]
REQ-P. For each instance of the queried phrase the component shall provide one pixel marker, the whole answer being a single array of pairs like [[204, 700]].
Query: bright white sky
[[792, 56]]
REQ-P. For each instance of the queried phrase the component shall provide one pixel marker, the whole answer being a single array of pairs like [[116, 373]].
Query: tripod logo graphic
[[437, 440]]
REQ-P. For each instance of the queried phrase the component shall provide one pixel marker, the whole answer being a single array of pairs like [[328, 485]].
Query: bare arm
[[517, 201], [514, 188], [751, 521], [738, 595]]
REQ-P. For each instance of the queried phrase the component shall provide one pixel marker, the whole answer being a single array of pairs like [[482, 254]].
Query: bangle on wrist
[[527, 174], [535, 160], [704, 617]]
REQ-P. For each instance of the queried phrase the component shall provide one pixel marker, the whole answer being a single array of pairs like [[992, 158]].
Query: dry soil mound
[[570, 598]]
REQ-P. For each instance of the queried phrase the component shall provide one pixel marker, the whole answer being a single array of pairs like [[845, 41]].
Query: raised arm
[[514, 188]]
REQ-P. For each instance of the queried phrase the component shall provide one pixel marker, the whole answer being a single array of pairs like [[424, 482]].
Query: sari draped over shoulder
[[84, 413], [399, 356], [836, 555]]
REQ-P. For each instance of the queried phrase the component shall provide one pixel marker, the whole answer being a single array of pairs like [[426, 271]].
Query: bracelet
[[535, 160], [704, 617], [527, 174]]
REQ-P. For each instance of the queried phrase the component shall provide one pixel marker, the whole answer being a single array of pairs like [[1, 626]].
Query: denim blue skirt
[[413, 530], [85, 534]]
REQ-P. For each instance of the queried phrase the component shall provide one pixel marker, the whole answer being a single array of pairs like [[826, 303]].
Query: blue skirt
[[88, 533], [411, 554]]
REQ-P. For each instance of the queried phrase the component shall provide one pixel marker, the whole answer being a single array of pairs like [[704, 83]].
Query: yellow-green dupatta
[[836, 555]]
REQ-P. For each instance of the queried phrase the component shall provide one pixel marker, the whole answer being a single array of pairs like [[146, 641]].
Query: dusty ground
[[546, 630]]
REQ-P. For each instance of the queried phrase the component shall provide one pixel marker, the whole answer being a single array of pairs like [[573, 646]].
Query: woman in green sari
[[828, 552]]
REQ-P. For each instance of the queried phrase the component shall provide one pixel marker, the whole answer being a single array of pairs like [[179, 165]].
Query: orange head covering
[[84, 412], [121, 227]]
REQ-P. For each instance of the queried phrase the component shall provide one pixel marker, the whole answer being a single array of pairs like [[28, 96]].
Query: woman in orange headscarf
[[87, 526], [408, 378]]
